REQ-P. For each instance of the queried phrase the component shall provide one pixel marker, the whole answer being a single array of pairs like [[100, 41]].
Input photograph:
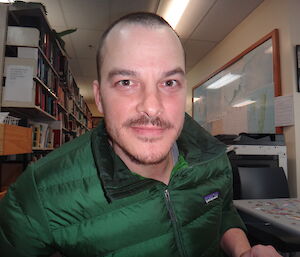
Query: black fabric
[[264, 183]]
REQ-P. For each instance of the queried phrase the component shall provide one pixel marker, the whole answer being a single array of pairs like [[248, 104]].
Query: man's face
[[142, 91]]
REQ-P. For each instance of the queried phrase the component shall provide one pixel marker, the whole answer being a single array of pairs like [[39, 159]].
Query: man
[[148, 181]]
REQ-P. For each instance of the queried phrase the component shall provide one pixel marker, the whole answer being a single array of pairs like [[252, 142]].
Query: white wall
[[294, 18], [269, 15]]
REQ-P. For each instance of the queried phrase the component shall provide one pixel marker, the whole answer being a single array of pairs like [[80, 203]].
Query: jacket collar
[[194, 143]]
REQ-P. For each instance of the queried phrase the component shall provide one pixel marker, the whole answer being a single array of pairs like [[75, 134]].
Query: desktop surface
[[282, 212]]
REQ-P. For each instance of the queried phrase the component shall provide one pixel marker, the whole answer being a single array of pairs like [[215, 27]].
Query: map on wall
[[240, 98]]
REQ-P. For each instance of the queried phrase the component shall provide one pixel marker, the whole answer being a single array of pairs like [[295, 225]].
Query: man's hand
[[235, 243], [261, 251]]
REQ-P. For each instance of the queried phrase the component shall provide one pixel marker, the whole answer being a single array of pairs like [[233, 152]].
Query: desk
[[283, 213]]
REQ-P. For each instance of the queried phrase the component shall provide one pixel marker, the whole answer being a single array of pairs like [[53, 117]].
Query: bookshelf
[[38, 82], [3, 26], [36, 85]]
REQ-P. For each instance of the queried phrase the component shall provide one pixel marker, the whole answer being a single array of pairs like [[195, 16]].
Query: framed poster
[[239, 97]]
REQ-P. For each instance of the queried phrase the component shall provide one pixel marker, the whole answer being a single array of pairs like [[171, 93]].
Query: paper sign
[[284, 111], [18, 84]]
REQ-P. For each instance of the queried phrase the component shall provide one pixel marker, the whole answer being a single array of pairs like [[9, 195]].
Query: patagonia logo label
[[211, 197]]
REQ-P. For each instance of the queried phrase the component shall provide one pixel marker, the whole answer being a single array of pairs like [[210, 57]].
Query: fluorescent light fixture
[[195, 99], [174, 11], [223, 81], [244, 103], [7, 1]]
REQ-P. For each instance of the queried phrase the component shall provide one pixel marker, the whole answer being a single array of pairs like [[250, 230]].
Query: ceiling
[[203, 25]]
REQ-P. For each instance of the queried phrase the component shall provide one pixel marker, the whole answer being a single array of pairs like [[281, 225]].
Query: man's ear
[[97, 95]]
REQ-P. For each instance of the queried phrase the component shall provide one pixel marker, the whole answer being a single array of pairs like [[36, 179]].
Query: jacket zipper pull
[[167, 195], [169, 206]]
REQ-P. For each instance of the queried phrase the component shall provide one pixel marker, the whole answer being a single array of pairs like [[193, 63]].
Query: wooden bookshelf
[[37, 85], [3, 26], [15, 139], [50, 93]]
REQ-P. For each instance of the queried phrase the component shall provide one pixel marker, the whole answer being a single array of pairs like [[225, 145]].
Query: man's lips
[[148, 130]]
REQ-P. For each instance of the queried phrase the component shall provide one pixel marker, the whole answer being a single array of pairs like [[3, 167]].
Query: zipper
[[175, 224]]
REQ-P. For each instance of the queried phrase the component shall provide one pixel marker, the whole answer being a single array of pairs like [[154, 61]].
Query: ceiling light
[[269, 50], [195, 99], [244, 103], [223, 81], [174, 11]]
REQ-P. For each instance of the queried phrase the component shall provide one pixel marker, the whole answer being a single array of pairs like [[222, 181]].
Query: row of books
[[50, 48], [63, 117], [45, 100], [79, 101], [71, 83], [47, 75], [44, 136], [62, 97], [76, 130]]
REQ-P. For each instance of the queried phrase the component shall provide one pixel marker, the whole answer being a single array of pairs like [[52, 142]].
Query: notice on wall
[[18, 84], [284, 111]]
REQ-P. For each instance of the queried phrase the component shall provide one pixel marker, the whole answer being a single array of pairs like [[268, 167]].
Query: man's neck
[[160, 172]]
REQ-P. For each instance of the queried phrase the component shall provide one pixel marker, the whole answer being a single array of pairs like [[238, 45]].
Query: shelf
[[62, 107], [45, 87], [48, 62], [78, 121], [15, 139], [42, 149], [65, 130], [79, 107], [29, 112]]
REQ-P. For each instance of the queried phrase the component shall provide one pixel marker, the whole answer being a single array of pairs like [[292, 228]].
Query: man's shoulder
[[73, 160], [197, 143], [59, 182]]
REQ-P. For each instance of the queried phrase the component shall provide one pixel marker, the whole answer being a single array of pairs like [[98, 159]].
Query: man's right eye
[[124, 83]]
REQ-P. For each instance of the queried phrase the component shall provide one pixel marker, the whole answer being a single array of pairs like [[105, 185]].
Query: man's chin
[[146, 155], [146, 159]]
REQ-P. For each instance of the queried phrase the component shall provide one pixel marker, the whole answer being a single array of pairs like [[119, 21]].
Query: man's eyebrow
[[174, 71], [122, 72]]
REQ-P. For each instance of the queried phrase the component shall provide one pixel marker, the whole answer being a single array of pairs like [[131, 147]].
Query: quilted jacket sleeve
[[230, 216], [23, 225]]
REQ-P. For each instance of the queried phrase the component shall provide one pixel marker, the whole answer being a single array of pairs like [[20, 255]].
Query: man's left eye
[[171, 83]]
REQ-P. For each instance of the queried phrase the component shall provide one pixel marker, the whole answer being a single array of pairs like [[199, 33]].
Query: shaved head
[[150, 20]]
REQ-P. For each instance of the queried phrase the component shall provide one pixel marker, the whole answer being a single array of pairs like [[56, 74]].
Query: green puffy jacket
[[81, 200]]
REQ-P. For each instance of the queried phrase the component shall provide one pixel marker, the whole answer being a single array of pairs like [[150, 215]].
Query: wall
[[294, 18], [269, 15]]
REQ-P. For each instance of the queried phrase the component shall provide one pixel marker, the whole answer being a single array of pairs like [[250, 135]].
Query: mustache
[[145, 120]]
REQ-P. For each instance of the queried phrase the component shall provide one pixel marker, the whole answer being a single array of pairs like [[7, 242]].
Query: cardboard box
[[15, 139]]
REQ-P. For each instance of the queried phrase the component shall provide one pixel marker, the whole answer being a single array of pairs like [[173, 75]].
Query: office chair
[[263, 183], [266, 183]]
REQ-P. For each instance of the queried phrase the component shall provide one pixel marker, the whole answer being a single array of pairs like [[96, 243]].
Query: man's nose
[[150, 102]]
